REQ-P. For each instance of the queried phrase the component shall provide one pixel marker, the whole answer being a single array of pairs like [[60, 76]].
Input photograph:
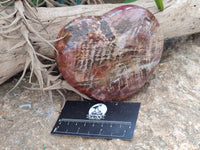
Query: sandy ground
[[169, 116]]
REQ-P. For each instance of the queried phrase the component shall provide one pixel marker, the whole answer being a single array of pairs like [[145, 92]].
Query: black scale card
[[98, 119]]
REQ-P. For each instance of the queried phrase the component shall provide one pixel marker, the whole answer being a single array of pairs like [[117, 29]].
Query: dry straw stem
[[27, 34]]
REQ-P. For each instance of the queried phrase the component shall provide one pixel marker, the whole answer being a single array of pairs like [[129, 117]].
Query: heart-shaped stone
[[110, 57]]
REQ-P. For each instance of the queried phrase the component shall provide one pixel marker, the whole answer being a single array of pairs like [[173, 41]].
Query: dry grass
[[16, 24]]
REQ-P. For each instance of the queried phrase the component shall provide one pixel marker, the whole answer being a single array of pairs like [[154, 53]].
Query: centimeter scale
[[98, 119]]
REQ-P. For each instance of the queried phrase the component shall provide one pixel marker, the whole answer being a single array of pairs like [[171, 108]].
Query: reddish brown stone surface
[[110, 57]]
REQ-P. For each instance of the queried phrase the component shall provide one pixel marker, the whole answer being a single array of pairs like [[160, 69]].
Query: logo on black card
[[97, 111]]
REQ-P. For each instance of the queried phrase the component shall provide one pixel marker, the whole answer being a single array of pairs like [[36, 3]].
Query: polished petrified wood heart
[[110, 57]]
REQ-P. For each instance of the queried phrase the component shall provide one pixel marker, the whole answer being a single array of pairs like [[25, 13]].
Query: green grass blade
[[129, 1], [159, 4]]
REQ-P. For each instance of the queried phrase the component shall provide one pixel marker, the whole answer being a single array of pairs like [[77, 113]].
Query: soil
[[169, 116]]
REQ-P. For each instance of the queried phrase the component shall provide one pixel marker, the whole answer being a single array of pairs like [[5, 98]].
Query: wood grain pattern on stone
[[110, 57]]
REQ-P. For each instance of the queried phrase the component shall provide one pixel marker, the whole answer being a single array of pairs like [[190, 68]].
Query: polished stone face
[[110, 57]]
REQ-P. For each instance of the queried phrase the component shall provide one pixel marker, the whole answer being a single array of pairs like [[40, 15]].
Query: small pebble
[[13, 115], [25, 105], [15, 94]]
